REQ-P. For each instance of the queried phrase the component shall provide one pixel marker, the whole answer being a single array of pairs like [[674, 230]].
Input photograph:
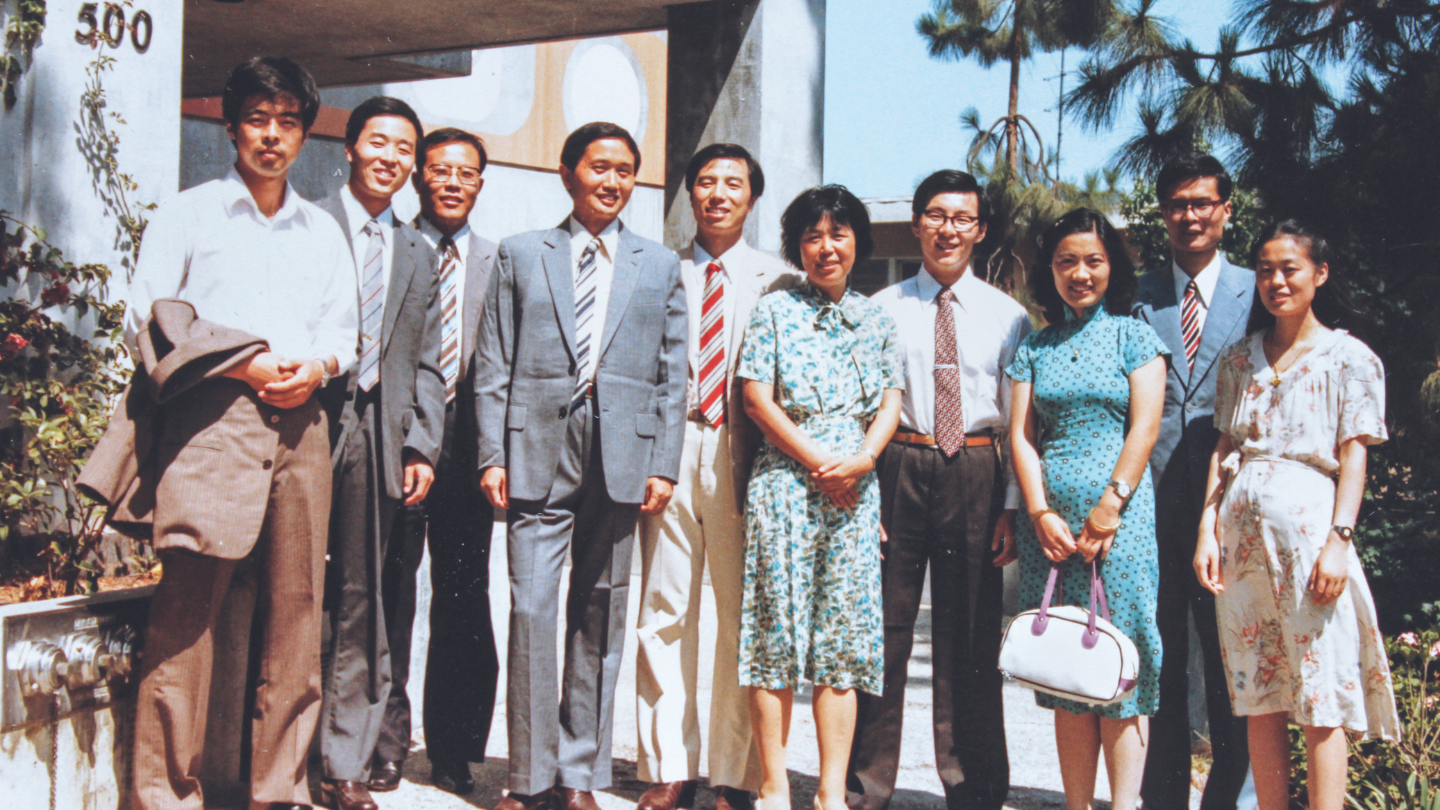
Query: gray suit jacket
[[526, 370], [412, 389], [1180, 461]]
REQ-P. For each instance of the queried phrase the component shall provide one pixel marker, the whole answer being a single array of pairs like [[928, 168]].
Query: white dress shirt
[[604, 276], [1204, 285], [462, 246], [360, 241], [989, 326], [696, 305], [289, 279]]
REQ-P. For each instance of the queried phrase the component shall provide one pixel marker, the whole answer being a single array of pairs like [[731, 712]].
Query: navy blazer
[[1180, 461]]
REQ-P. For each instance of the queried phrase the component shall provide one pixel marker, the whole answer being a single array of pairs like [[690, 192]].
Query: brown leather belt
[[696, 415], [971, 439]]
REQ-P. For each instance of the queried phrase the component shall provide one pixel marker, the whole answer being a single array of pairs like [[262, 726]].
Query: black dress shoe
[[384, 777], [451, 776], [344, 795]]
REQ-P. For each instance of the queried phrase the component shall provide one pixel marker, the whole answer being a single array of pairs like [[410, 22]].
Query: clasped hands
[[1059, 543], [279, 382], [839, 478]]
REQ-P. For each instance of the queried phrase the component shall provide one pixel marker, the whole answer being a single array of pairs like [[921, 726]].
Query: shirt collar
[[703, 257], [928, 286], [1205, 281], [358, 216], [237, 193], [609, 238], [433, 236]]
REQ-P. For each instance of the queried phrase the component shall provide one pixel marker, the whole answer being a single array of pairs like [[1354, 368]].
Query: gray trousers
[[565, 739], [357, 650]]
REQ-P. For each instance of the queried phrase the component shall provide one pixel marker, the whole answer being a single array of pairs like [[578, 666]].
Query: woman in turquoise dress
[[822, 371], [1087, 396]]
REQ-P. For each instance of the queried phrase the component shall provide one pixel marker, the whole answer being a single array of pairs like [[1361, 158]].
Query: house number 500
[[110, 26]]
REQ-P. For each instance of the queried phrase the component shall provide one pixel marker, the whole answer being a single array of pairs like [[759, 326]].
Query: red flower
[[12, 345], [55, 295]]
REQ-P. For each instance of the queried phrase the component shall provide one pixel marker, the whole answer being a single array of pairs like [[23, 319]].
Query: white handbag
[[1070, 652]]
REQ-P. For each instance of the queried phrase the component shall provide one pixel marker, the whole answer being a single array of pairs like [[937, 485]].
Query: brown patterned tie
[[949, 414]]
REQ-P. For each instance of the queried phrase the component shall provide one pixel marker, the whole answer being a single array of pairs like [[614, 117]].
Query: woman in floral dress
[[1297, 403], [1085, 412], [822, 371]]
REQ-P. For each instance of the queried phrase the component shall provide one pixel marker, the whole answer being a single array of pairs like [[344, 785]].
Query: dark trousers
[[1167, 764], [357, 652], [941, 513], [461, 665], [565, 739]]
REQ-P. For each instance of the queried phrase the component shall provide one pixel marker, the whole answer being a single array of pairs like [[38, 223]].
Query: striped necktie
[[449, 317], [584, 321], [949, 413], [712, 346], [1190, 322], [372, 307]]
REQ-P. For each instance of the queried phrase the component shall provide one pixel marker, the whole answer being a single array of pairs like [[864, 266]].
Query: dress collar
[[844, 309], [1093, 312]]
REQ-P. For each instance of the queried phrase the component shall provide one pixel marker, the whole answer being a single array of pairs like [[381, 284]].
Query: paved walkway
[[1034, 772]]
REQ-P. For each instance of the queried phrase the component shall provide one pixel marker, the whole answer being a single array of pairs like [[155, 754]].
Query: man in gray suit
[[461, 665], [580, 398], [391, 420], [1199, 304]]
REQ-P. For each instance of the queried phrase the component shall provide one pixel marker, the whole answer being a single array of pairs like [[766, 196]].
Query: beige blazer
[[752, 274]]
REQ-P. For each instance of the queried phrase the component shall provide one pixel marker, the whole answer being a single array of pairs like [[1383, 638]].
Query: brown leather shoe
[[728, 798], [344, 795], [668, 796], [518, 801], [572, 799]]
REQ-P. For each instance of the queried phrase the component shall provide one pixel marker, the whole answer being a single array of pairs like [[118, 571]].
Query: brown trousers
[[288, 566]]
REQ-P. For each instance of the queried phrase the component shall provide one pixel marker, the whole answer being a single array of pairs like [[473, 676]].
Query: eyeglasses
[[1202, 208], [464, 175], [936, 220]]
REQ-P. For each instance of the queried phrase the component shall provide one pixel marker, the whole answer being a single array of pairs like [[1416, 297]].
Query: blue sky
[[892, 113]]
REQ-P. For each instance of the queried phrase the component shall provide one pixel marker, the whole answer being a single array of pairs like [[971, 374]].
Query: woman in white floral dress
[[1297, 403]]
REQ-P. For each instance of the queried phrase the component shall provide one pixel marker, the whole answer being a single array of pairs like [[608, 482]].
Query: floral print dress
[[812, 570], [1080, 373], [1325, 665]]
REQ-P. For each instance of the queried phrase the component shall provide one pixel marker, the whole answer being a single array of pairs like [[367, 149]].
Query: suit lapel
[[561, 277], [1222, 320], [1165, 318], [622, 284], [405, 256], [477, 279]]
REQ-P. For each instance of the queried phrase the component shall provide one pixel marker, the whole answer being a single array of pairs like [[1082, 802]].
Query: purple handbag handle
[[1097, 596]]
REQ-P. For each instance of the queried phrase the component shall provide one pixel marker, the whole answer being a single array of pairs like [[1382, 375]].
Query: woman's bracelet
[[1090, 519], [1035, 516]]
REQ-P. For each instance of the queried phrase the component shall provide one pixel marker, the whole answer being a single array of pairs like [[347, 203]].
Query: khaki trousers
[[701, 524], [287, 566]]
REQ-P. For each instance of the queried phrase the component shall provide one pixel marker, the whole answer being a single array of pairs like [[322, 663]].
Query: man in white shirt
[[947, 501], [391, 420], [723, 278], [249, 254]]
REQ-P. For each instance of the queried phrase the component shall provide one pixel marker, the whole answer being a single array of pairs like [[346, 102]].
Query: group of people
[[356, 386]]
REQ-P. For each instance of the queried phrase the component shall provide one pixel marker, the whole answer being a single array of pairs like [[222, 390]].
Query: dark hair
[[446, 135], [813, 205], [270, 76], [1119, 292], [579, 140], [1191, 166], [1333, 306], [374, 107], [949, 181], [722, 151]]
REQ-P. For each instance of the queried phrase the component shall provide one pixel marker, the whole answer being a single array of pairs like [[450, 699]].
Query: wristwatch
[[324, 373], [1122, 489], [1346, 533]]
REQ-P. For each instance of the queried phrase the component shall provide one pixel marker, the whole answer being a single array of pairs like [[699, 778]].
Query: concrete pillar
[[753, 73], [54, 175]]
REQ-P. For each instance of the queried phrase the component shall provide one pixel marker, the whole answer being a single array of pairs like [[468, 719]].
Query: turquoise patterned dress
[[1081, 375], [812, 570]]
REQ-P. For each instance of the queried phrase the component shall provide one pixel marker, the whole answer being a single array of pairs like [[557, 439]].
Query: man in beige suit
[[242, 461], [723, 278]]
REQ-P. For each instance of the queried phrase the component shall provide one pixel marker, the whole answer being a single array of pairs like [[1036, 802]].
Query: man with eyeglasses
[[946, 502], [1199, 304], [461, 665]]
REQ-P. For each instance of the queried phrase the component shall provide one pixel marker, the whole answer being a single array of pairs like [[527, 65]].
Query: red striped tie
[[1190, 322], [712, 347]]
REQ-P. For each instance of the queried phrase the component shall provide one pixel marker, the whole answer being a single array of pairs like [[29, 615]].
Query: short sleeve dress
[[1080, 371], [812, 570], [1325, 665]]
